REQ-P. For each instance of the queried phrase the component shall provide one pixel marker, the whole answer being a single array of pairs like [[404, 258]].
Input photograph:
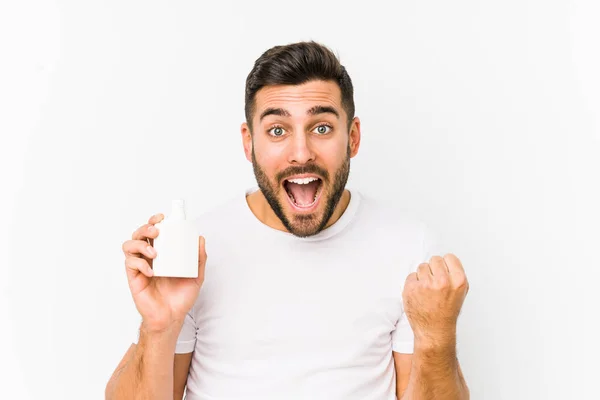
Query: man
[[312, 290]]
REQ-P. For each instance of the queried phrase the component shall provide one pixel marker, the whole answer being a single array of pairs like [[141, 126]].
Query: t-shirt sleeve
[[402, 336], [186, 342]]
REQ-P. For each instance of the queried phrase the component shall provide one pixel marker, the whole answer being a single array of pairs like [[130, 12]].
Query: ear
[[247, 141], [354, 136]]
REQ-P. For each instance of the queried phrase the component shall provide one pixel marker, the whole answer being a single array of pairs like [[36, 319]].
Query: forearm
[[435, 373], [149, 373]]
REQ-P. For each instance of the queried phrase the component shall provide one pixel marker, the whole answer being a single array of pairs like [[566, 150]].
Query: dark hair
[[295, 64]]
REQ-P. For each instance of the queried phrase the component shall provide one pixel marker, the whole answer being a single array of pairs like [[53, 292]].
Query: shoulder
[[391, 218], [390, 223], [388, 216], [220, 218]]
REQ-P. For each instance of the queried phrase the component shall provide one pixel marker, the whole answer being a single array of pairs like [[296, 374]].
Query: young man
[[312, 290]]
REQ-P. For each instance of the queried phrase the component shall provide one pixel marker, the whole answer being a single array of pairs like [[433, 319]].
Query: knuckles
[[452, 278], [441, 282], [436, 259], [460, 280]]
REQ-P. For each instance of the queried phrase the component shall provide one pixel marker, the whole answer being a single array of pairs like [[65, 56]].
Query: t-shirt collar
[[337, 227]]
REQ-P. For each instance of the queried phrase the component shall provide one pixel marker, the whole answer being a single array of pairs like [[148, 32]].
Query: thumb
[[201, 259]]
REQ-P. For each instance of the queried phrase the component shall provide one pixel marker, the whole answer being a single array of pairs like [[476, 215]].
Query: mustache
[[305, 169]]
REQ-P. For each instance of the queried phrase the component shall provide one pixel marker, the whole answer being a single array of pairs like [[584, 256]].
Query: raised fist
[[433, 297]]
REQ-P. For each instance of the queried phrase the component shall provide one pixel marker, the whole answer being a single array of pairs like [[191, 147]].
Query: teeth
[[303, 181]]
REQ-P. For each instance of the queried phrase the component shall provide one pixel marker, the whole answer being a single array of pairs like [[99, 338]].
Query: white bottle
[[176, 245]]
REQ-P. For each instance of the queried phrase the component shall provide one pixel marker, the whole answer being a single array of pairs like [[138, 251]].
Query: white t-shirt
[[282, 317]]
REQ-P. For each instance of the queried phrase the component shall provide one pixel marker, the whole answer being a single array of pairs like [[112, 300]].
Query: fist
[[433, 297]]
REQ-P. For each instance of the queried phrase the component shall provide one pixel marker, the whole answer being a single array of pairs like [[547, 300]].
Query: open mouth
[[304, 193]]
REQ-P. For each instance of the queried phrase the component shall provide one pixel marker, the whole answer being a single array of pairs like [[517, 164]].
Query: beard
[[310, 224]]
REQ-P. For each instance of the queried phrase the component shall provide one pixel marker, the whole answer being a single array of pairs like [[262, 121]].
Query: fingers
[[423, 272], [447, 270], [456, 271], [155, 219], [202, 257], [454, 264], [435, 270], [141, 247], [438, 266], [138, 264], [139, 254], [147, 231], [202, 253], [411, 279]]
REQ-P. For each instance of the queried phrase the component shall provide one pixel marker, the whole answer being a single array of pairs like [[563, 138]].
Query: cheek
[[266, 151], [333, 154], [271, 158]]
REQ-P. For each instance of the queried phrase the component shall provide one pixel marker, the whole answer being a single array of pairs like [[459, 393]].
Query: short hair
[[295, 64]]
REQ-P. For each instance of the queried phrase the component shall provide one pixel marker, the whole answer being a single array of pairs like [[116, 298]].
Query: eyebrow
[[275, 111], [323, 110], [312, 111]]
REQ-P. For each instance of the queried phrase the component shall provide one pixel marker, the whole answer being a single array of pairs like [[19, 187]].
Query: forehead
[[299, 98]]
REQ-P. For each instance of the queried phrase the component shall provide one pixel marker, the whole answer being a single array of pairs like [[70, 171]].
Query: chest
[[300, 309]]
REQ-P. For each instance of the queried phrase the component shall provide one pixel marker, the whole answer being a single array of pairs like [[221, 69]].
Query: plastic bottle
[[176, 245]]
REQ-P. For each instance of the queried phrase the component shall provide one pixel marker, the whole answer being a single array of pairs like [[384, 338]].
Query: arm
[[150, 369], [180, 374], [430, 373], [147, 369], [403, 365], [433, 297]]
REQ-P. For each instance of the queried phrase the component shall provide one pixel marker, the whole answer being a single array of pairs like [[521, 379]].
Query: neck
[[264, 213]]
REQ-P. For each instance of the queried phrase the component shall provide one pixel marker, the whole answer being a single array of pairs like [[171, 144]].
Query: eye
[[323, 129], [276, 131]]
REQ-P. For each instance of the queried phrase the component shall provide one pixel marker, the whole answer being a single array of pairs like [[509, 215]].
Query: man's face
[[300, 150]]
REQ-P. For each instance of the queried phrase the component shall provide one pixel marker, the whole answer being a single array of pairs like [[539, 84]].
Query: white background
[[481, 116]]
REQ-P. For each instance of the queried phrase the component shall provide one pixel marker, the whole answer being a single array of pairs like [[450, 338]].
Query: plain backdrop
[[481, 116]]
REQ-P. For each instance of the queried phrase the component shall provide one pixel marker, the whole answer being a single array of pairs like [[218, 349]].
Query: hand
[[162, 301], [433, 297]]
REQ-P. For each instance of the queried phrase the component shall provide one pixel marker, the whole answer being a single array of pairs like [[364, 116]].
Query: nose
[[301, 151]]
